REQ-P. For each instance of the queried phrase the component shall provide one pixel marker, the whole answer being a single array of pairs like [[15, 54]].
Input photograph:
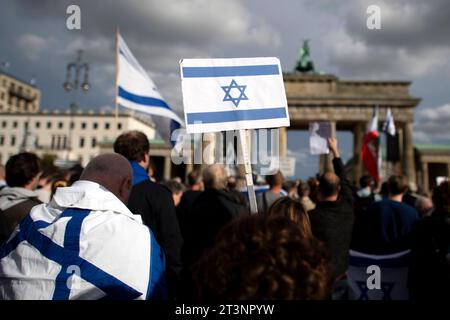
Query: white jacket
[[84, 244]]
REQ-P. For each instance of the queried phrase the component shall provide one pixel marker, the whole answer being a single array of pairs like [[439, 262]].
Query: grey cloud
[[433, 124], [32, 45]]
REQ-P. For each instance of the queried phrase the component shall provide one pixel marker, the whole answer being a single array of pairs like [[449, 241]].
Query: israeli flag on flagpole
[[137, 91], [233, 94]]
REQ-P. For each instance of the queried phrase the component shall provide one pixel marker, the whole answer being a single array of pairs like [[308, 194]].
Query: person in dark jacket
[[429, 271], [195, 188], [385, 227], [153, 202], [213, 209], [22, 173], [332, 219]]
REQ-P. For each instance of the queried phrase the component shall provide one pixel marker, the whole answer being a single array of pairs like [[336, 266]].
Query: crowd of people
[[111, 231]]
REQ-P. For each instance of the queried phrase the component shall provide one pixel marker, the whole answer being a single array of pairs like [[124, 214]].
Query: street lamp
[[73, 83]]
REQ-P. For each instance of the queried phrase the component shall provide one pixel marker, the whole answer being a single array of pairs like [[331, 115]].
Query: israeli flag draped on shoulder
[[136, 90], [85, 244], [233, 94]]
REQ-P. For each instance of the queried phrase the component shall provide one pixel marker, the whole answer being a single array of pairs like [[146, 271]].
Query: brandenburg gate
[[349, 106]]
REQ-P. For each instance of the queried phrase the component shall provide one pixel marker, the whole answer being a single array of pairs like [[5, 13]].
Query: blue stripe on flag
[[231, 71], [157, 288], [71, 242], [235, 115], [142, 100]]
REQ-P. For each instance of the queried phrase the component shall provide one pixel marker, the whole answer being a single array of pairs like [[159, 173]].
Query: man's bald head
[[113, 172], [329, 186]]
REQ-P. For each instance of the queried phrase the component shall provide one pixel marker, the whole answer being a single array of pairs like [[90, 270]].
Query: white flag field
[[233, 94], [137, 91]]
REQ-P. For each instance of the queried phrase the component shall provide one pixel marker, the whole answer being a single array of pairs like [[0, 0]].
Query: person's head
[[259, 258], [177, 189], [215, 177], [134, 146], [397, 185], [275, 180], [313, 184], [292, 209], [2, 172], [47, 178], [384, 190], [111, 171], [424, 206], [303, 190], [291, 189], [329, 187], [366, 181], [74, 174], [441, 197], [23, 170], [231, 183], [194, 180], [59, 182]]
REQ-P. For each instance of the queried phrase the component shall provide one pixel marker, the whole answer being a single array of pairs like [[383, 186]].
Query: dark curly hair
[[133, 145], [259, 258]]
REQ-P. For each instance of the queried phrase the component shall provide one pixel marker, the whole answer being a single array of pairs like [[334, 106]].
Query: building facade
[[433, 164], [18, 96], [72, 137]]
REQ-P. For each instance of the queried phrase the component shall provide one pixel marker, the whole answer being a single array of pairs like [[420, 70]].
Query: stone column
[[408, 152], [283, 142], [167, 167], [425, 177], [208, 149], [325, 159], [358, 137]]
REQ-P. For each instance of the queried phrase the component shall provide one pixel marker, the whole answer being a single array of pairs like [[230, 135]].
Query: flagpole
[[245, 148], [116, 85]]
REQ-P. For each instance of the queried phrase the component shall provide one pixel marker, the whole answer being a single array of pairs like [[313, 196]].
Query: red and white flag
[[369, 154]]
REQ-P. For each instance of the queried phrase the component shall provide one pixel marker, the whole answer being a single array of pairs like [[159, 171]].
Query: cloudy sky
[[413, 44]]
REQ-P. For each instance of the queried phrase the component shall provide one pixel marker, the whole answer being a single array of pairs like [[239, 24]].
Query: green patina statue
[[304, 61]]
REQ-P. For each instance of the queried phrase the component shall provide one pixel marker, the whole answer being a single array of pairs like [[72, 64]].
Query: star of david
[[229, 97]]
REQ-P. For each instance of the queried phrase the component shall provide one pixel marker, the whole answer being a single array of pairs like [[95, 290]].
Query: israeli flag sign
[[233, 94]]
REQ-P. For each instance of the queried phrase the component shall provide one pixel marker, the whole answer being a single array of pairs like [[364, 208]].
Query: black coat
[[429, 271], [211, 210], [332, 222], [155, 204]]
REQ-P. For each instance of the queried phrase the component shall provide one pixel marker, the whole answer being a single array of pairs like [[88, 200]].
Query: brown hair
[[256, 258], [133, 145], [276, 179], [21, 169], [397, 185], [292, 209]]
